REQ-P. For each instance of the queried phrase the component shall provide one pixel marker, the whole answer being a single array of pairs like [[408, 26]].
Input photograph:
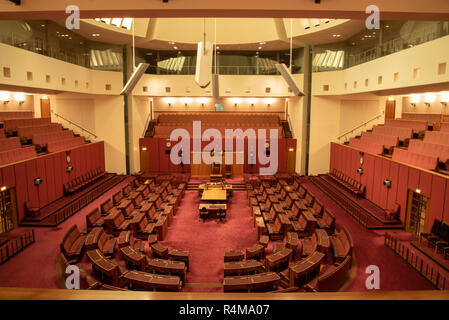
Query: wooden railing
[[418, 263], [77, 126], [15, 245]]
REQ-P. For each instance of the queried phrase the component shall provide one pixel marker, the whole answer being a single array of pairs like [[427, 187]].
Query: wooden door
[[144, 160], [291, 161], [390, 109], [45, 108]]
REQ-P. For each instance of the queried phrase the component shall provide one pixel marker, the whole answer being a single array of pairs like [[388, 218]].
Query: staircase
[[149, 133], [286, 129]]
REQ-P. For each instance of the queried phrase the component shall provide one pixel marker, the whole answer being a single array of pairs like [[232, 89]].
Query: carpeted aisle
[[207, 241]]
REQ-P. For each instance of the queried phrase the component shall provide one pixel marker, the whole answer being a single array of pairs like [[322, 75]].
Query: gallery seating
[[415, 159], [15, 115], [12, 125], [94, 219], [387, 141], [444, 127], [63, 144], [434, 231], [439, 151], [72, 244], [16, 155], [331, 279], [26, 133], [83, 180], [418, 126], [366, 145], [347, 182], [403, 134], [437, 137], [9, 144]]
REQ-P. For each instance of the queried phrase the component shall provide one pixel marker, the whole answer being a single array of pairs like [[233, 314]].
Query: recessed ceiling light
[[217, 47], [262, 43], [176, 48], [171, 42], [260, 48]]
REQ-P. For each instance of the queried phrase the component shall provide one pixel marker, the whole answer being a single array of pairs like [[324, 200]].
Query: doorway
[[417, 209], [390, 109], [7, 210], [45, 108]]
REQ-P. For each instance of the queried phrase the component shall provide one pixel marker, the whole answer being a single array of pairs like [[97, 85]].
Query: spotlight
[[69, 169], [360, 170], [387, 183], [37, 181]]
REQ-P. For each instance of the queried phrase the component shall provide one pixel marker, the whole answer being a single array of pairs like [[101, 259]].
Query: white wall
[[295, 113], [139, 110]]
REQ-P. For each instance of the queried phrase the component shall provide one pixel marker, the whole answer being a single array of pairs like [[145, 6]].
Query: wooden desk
[[92, 238], [301, 206], [212, 206], [275, 259], [161, 227], [264, 240], [273, 198], [306, 269], [242, 267], [266, 281], [214, 195], [149, 281], [292, 241], [170, 267], [285, 222], [204, 186], [293, 196], [233, 255], [159, 250], [256, 251], [134, 258], [260, 225], [180, 255], [107, 268]]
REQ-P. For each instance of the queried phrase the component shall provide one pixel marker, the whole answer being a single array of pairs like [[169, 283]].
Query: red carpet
[[207, 241]]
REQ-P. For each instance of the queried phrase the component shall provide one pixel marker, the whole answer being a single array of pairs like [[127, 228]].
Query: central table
[[214, 194]]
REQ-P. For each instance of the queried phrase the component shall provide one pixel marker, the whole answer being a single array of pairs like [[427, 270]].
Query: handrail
[[361, 125], [147, 122], [290, 125], [75, 124]]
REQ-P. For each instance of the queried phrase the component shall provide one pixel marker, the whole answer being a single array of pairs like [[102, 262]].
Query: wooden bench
[[332, 279], [256, 251], [72, 244], [94, 219], [341, 244], [98, 239], [266, 281]]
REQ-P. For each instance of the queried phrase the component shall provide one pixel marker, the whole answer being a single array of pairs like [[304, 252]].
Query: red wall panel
[[401, 195], [394, 177], [8, 177], [377, 181], [60, 174], [425, 183], [438, 201], [413, 179], [384, 191], [51, 184], [446, 205], [33, 193], [369, 172], [42, 188], [21, 192]]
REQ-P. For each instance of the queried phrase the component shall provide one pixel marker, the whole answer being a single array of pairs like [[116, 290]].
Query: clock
[[67, 158], [168, 144], [267, 144]]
